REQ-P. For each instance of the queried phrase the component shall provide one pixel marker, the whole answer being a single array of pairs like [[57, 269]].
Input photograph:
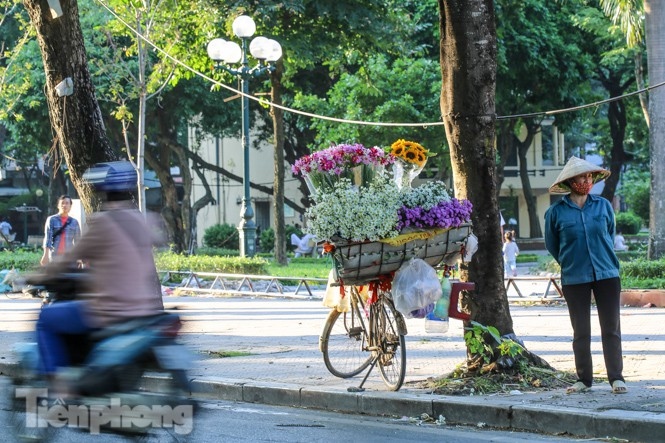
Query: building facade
[[228, 154]]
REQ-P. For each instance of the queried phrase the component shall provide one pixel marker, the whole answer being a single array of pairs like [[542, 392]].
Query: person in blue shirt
[[579, 232], [61, 231]]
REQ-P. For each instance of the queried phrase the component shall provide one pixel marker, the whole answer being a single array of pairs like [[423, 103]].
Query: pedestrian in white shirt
[[510, 253]]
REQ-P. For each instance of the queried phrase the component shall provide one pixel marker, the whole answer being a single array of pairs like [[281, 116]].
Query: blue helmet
[[118, 176]]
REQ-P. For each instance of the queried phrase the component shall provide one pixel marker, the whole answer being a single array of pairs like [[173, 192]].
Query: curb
[[480, 411]]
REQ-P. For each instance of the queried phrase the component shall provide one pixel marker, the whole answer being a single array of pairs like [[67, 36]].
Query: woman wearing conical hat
[[579, 231]]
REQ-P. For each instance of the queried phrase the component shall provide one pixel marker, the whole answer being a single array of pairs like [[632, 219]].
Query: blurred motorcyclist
[[117, 248]]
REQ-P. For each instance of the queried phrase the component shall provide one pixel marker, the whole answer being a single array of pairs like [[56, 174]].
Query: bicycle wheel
[[389, 333], [343, 343]]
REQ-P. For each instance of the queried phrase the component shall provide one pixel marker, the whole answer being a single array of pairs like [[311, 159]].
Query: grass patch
[[303, 267]]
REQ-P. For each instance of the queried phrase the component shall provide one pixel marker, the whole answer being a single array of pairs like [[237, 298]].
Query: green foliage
[[636, 191], [527, 258], [167, 261], [636, 271], [643, 269], [382, 90], [267, 240], [476, 342], [476, 338], [218, 252], [222, 236], [628, 223], [21, 260]]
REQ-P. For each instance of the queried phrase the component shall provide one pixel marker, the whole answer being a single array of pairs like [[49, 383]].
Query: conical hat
[[573, 168]]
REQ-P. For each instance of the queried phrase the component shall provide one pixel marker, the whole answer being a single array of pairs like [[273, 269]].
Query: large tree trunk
[[76, 119], [278, 196], [655, 35], [468, 66]]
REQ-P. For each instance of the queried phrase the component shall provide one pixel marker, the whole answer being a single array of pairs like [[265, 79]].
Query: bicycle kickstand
[[369, 371]]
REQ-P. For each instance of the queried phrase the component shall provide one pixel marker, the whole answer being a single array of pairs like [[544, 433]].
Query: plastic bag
[[415, 286], [333, 297]]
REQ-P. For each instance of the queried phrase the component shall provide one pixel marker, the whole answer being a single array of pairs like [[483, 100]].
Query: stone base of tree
[[643, 297]]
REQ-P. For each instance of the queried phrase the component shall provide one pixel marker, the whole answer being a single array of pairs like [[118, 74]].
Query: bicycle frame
[[374, 336]]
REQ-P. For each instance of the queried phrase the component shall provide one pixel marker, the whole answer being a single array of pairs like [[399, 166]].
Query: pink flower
[[338, 158]]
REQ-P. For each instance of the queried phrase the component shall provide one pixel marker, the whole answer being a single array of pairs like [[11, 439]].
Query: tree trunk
[[504, 137], [76, 119], [278, 196], [468, 67], [170, 206], [529, 198], [655, 35]]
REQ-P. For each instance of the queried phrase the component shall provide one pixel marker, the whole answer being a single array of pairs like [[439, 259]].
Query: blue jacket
[[69, 235], [580, 239]]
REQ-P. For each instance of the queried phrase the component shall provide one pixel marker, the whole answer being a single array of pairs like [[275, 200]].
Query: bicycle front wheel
[[343, 344], [391, 343]]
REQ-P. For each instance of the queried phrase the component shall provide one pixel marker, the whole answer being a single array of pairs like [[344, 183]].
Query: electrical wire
[[361, 122]]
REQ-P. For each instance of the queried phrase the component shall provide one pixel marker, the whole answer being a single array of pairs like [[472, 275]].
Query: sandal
[[619, 387], [577, 388]]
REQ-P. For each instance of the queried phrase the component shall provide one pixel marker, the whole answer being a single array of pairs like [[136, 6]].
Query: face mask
[[581, 188]]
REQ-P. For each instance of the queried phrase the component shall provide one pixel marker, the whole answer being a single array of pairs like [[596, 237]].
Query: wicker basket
[[359, 263]]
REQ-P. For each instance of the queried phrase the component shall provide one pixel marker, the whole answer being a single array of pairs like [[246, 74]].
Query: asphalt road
[[223, 421]]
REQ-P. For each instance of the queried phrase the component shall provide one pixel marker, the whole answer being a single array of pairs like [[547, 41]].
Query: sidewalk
[[284, 366]]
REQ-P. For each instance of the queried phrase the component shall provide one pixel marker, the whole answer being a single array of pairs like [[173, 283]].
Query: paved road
[[282, 365]]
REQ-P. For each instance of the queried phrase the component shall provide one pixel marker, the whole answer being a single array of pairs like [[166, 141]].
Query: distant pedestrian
[[5, 228], [578, 233], [620, 242], [510, 253], [60, 231]]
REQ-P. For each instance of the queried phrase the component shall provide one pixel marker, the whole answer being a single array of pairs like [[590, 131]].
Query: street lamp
[[225, 53]]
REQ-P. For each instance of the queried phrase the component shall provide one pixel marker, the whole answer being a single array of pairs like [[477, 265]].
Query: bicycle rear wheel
[[343, 343], [390, 340]]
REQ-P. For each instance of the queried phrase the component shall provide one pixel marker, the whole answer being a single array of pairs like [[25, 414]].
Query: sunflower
[[409, 151]]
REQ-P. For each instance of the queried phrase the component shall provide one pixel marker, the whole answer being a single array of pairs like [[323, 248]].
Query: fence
[[243, 284]]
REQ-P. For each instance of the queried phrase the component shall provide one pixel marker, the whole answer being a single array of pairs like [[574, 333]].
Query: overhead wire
[[362, 122]]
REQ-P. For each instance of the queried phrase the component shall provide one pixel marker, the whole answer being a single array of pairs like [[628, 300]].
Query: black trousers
[[578, 298]]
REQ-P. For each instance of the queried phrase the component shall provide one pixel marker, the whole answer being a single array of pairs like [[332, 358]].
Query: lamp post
[[225, 53]]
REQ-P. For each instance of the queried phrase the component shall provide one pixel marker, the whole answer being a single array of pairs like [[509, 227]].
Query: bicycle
[[370, 325], [373, 325]]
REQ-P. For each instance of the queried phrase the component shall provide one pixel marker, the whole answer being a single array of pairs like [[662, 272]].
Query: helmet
[[118, 176]]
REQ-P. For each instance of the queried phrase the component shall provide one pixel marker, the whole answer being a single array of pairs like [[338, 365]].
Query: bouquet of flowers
[[323, 169], [356, 213], [410, 159], [367, 205], [430, 206], [410, 152]]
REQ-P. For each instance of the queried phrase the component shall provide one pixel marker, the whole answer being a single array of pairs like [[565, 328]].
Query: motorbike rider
[[117, 248]]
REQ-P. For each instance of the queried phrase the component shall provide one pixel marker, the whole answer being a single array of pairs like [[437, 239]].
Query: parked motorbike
[[107, 376]]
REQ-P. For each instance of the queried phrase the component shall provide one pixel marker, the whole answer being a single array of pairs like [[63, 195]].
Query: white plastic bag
[[415, 286], [333, 297]]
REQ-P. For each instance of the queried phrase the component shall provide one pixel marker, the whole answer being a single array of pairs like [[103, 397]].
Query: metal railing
[[242, 284]]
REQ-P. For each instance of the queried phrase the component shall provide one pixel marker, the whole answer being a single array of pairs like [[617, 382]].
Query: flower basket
[[361, 262]]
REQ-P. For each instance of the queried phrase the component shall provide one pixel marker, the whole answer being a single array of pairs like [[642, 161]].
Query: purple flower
[[446, 214]]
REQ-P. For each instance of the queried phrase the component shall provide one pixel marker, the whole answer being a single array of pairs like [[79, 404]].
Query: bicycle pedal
[[355, 332]]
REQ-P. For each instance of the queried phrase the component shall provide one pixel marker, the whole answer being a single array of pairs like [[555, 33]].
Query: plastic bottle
[[435, 325], [442, 304]]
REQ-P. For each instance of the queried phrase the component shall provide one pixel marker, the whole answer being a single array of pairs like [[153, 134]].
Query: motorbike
[[106, 374]]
